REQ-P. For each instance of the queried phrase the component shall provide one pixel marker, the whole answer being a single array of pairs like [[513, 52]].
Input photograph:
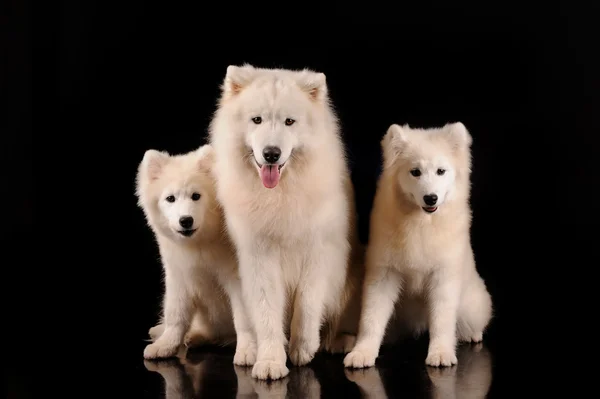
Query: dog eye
[[170, 198], [415, 172], [289, 122], [441, 171], [195, 197], [257, 120]]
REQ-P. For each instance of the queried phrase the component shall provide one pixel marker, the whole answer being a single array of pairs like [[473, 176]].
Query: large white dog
[[178, 196], [284, 183], [420, 249]]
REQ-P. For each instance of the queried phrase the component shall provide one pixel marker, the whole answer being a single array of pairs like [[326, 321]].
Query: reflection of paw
[[152, 365], [156, 331], [245, 356], [160, 366], [270, 389], [160, 350], [368, 381], [268, 369], [302, 352], [361, 376], [343, 343], [436, 374], [360, 358], [477, 347], [441, 358]]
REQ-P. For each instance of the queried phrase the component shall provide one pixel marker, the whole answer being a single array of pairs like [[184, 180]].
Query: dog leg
[[245, 351], [474, 312], [262, 287], [309, 303], [381, 288], [443, 303], [177, 311]]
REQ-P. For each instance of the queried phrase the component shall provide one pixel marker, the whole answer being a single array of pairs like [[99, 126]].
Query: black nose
[[186, 221], [271, 154], [430, 199]]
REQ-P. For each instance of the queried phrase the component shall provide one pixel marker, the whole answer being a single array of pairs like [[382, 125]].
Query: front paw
[[269, 370], [245, 356], [360, 358], [302, 353], [441, 357], [159, 350]]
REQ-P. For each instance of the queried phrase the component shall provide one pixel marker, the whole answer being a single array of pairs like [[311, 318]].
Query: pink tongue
[[269, 174]]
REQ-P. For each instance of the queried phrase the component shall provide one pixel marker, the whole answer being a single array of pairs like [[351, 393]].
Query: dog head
[[430, 165], [176, 191], [278, 111]]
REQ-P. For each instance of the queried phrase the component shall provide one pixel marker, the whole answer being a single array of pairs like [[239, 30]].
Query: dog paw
[[157, 350], [156, 331], [193, 340], [269, 370], [477, 337], [344, 343], [245, 356], [441, 358], [302, 353], [360, 358]]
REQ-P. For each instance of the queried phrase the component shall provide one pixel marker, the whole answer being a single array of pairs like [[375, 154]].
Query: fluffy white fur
[[292, 231], [419, 255], [203, 301]]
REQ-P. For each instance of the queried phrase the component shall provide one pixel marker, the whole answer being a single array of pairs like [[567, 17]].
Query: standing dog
[[420, 247]]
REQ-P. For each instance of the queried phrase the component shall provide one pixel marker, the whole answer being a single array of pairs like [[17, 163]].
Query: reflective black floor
[[400, 373]]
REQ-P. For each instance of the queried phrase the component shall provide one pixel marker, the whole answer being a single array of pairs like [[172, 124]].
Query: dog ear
[[152, 164], [206, 157], [393, 143], [236, 79], [313, 83], [459, 136]]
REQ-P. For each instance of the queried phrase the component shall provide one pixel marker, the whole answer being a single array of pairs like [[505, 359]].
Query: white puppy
[[420, 249], [177, 194], [285, 187]]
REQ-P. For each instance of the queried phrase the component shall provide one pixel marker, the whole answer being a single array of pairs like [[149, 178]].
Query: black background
[[116, 79]]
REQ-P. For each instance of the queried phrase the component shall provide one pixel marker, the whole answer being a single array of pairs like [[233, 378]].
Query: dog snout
[[186, 221], [271, 154], [430, 199]]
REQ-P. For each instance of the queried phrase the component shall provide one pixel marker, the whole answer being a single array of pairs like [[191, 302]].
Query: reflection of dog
[[178, 197], [471, 378], [285, 187], [301, 383], [178, 383], [419, 247], [368, 381], [193, 377]]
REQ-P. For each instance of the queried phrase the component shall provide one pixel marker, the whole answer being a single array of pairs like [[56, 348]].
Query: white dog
[[420, 248], [177, 194], [284, 184]]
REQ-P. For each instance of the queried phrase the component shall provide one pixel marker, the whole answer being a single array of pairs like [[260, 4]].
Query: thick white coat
[[202, 301], [293, 241], [422, 263]]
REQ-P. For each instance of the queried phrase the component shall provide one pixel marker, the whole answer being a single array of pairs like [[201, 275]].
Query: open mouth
[[430, 209], [269, 173], [187, 233]]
